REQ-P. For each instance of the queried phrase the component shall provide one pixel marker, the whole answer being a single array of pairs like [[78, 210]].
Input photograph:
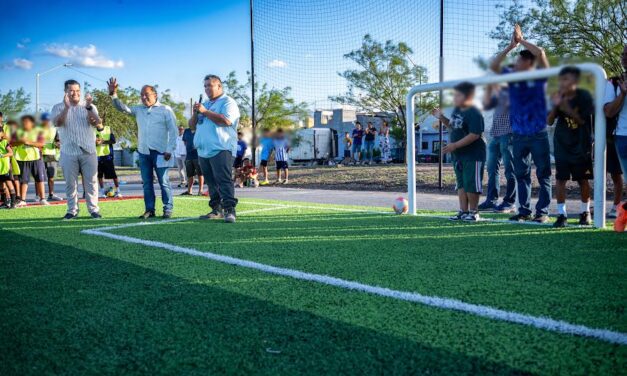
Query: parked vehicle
[[314, 145]]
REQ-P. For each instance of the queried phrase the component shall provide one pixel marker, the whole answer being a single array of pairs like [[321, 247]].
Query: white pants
[[180, 168], [73, 166]]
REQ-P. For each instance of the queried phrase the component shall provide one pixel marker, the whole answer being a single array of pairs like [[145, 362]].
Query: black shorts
[[35, 169], [264, 163], [5, 177], [347, 153], [613, 164], [106, 169], [192, 168], [565, 170], [281, 165], [51, 169], [238, 162]]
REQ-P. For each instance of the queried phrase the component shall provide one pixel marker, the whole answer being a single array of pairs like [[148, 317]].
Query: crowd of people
[[211, 151], [519, 140]]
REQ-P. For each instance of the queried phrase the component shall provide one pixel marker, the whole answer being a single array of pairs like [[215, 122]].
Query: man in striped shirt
[[75, 119]]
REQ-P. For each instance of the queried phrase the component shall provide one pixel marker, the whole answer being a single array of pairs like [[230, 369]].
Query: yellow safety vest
[[105, 134], [49, 148], [5, 162], [27, 153]]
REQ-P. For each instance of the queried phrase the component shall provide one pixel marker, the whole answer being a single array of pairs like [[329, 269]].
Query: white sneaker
[[44, 202], [21, 204], [54, 198], [286, 181], [118, 195], [612, 213], [471, 217]]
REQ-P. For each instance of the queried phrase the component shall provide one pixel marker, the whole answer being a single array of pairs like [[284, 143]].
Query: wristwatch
[[89, 108]]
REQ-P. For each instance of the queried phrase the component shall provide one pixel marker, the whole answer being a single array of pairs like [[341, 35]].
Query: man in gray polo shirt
[[215, 122]]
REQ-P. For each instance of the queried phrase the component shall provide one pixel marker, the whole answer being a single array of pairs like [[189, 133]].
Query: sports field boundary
[[539, 322]]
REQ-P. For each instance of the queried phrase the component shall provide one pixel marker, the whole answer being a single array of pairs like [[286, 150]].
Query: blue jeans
[[525, 149], [148, 165], [500, 149], [356, 149], [621, 150], [368, 150]]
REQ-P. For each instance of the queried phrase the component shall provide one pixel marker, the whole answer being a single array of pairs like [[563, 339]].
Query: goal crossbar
[[599, 126]]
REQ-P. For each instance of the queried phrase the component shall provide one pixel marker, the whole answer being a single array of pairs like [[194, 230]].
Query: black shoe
[[229, 216], [167, 214], [486, 206], [214, 214], [148, 214], [585, 219], [541, 218], [5, 206], [96, 215], [68, 216], [185, 194], [562, 221], [520, 218], [457, 217]]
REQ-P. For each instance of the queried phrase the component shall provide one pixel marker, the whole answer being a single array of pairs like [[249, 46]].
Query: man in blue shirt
[[216, 122], [528, 114]]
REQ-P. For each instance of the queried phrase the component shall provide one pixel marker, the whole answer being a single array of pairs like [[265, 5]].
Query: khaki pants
[[73, 166]]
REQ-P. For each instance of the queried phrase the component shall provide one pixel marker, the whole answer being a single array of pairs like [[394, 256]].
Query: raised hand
[[66, 100], [112, 84], [88, 100], [437, 113], [518, 35]]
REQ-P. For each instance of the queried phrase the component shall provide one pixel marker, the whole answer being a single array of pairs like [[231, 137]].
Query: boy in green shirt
[[6, 179], [468, 149]]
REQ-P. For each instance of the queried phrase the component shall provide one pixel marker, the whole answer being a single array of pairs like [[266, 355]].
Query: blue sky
[[174, 44]]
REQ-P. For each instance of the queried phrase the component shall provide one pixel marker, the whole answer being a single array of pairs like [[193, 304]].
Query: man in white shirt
[[180, 153], [615, 109], [75, 120], [156, 143]]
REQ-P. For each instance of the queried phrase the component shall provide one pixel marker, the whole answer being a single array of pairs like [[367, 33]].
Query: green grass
[[82, 304]]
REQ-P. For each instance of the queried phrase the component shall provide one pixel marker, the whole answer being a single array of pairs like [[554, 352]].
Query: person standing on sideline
[[384, 142], [156, 142], [216, 122], [27, 153], [180, 153], [615, 109], [528, 115], [75, 120], [357, 134], [241, 150], [192, 166], [51, 153], [105, 139], [281, 148], [267, 145], [499, 150], [371, 134]]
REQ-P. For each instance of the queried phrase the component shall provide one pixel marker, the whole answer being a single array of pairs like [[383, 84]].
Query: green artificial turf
[[82, 304]]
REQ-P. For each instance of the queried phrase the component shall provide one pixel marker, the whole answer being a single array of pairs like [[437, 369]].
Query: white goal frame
[[599, 126]]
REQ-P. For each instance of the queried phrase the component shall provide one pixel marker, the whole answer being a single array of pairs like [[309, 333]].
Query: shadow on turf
[[67, 310]]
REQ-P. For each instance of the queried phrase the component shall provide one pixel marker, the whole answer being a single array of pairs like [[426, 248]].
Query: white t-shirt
[[180, 150], [610, 95]]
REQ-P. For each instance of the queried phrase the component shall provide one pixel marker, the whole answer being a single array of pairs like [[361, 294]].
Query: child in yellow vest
[[27, 152], [6, 179], [105, 139], [51, 153]]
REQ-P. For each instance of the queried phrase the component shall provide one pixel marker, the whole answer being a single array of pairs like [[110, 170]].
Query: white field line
[[539, 322]]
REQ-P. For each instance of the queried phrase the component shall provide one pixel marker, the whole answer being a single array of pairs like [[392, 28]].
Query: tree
[[14, 102], [274, 108], [573, 30], [382, 81]]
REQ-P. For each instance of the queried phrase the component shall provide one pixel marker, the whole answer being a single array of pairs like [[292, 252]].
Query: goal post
[[599, 126]]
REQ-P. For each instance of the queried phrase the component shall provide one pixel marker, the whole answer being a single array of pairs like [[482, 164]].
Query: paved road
[[425, 201]]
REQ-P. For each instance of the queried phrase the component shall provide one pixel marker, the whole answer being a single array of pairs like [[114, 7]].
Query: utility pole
[[38, 75]]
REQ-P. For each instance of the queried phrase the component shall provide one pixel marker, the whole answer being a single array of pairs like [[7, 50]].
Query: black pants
[[218, 177]]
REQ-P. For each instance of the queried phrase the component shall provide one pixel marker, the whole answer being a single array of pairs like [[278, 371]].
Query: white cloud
[[276, 63], [22, 64], [87, 56], [20, 45]]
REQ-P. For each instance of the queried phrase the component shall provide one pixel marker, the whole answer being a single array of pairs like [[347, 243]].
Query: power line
[[87, 74]]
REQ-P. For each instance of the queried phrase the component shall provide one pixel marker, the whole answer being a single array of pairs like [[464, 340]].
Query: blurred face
[[458, 99], [567, 83], [27, 125], [74, 93], [522, 64], [358, 126], [148, 96], [246, 163], [45, 123], [181, 130], [213, 88]]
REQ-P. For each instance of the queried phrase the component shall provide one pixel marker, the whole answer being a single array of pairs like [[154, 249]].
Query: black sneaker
[[167, 214], [486, 206], [457, 217], [96, 215], [585, 219], [541, 218], [5, 205], [185, 194], [229, 216], [148, 214], [562, 221], [505, 208], [68, 216], [214, 214], [520, 218]]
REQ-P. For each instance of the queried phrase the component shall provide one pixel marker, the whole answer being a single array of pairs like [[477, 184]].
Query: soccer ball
[[110, 192], [400, 206]]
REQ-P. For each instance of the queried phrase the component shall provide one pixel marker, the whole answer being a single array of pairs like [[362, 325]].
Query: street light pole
[[38, 75]]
